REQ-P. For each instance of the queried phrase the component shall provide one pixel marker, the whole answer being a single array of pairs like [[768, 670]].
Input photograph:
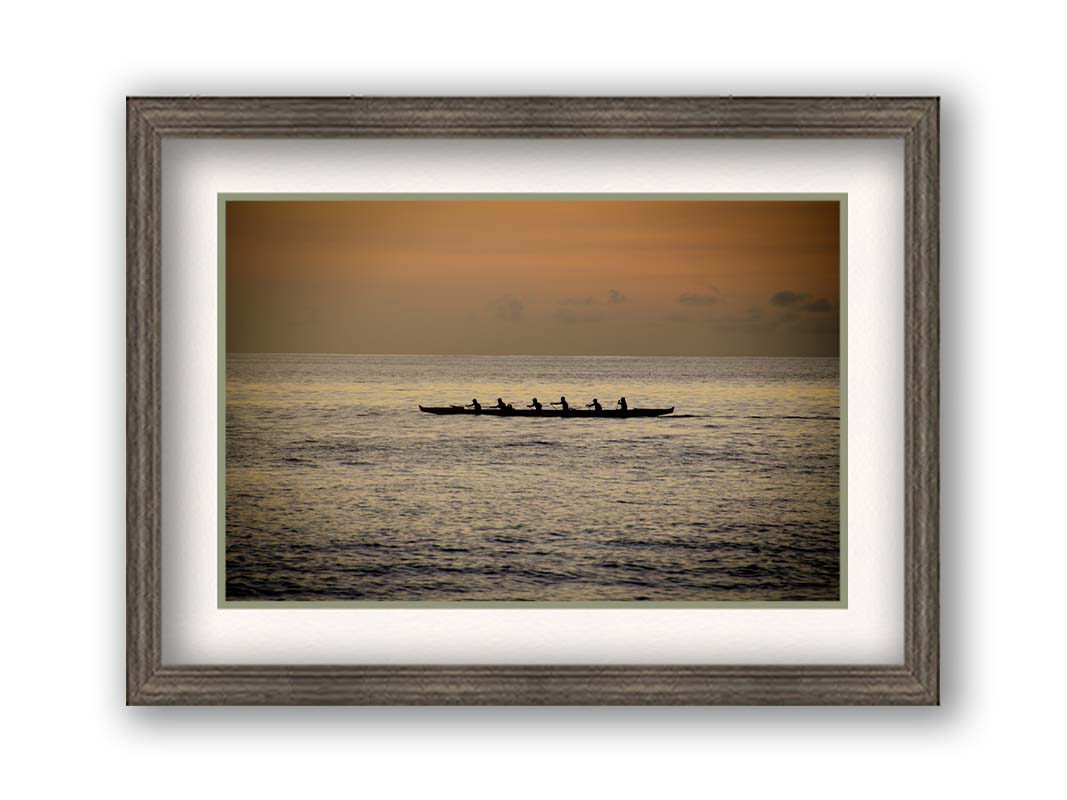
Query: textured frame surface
[[915, 120]]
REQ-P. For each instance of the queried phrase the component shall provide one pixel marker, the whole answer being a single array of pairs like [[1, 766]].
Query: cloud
[[614, 296], [788, 299], [568, 317], [509, 308], [698, 299], [801, 302]]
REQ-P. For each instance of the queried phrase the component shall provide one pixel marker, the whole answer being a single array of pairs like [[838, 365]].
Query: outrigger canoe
[[493, 411]]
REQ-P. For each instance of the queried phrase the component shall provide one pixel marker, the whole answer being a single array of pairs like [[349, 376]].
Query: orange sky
[[566, 277]]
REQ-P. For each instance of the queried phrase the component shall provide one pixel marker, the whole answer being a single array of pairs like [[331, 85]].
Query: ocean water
[[338, 488]]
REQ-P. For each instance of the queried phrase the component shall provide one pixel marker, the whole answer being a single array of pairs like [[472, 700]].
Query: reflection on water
[[337, 488]]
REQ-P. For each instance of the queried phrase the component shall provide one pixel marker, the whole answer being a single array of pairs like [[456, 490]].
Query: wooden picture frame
[[913, 120]]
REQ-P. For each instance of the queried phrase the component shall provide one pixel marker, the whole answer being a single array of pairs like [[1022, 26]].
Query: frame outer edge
[[922, 402], [149, 683], [143, 387], [533, 117], [534, 685]]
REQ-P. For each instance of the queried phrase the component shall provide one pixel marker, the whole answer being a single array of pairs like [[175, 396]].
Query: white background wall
[[65, 71]]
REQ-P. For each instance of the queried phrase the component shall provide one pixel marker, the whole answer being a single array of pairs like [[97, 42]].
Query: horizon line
[[505, 355]]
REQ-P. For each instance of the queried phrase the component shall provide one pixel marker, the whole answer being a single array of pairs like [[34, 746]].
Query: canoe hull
[[576, 413]]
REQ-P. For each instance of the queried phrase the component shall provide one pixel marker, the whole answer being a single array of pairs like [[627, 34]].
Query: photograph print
[[545, 399]]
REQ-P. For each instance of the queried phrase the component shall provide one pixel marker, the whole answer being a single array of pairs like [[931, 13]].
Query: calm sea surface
[[338, 488]]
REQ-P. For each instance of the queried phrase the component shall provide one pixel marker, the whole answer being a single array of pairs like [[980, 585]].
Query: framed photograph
[[532, 401]]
